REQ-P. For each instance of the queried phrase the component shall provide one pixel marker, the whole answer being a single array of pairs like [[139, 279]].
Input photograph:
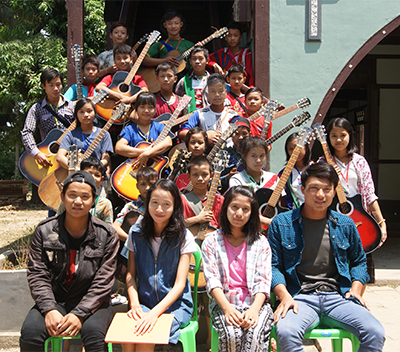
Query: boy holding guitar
[[195, 210], [54, 111], [123, 60]]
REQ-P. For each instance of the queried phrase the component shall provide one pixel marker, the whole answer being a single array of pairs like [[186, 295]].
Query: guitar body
[[263, 195], [105, 108], [28, 165], [368, 229], [182, 181], [149, 75], [49, 190], [124, 183]]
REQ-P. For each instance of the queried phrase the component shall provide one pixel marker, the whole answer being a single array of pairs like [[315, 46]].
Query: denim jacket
[[285, 236], [156, 275]]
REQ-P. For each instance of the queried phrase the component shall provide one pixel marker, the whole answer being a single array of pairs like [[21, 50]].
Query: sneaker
[[118, 299]]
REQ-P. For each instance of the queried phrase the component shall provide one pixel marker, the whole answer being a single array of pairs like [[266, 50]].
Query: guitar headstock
[[72, 157], [229, 131], [180, 159], [319, 130], [221, 161], [304, 136], [185, 100], [100, 97], [220, 33], [143, 39], [153, 37], [120, 111], [77, 53], [298, 120], [303, 103]]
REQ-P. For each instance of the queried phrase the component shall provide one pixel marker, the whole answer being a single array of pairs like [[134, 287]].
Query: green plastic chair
[[187, 336], [214, 339], [57, 343], [335, 334]]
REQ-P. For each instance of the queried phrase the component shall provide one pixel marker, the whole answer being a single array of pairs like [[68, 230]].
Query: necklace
[[236, 253]]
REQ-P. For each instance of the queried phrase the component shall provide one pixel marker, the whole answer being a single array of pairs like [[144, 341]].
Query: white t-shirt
[[188, 246], [243, 179], [348, 177]]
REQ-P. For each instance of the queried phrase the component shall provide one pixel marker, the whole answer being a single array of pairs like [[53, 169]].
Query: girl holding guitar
[[294, 197], [84, 134], [355, 174]]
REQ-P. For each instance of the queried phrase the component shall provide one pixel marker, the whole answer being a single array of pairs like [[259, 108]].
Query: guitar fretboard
[[70, 128], [138, 62]]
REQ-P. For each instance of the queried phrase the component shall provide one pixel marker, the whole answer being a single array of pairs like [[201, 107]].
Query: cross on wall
[[313, 20]]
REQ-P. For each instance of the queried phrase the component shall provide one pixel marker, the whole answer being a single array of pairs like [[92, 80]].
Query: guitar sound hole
[[123, 88], [54, 148], [345, 208], [268, 211]]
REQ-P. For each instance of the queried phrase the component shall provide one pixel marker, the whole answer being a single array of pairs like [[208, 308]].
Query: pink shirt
[[237, 258]]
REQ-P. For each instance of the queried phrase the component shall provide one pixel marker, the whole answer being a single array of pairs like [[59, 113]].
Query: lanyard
[[177, 44], [141, 134], [55, 109], [346, 179], [86, 141]]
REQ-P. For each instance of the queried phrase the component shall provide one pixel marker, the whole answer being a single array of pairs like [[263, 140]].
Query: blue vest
[[156, 275]]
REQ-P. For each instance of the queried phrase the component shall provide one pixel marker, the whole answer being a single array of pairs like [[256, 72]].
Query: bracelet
[[380, 222]]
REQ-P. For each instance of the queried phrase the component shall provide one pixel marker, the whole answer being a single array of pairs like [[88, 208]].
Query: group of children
[[236, 257]]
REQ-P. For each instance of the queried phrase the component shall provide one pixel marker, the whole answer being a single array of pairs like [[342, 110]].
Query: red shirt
[[162, 106], [235, 105], [216, 209], [257, 125], [137, 80]]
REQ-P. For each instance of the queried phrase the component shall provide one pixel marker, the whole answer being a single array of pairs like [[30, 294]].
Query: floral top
[[365, 184]]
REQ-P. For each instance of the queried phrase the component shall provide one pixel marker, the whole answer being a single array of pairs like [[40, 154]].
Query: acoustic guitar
[[123, 179], [122, 83], [200, 231], [148, 73], [28, 165], [368, 229], [48, 190], [186, 186], [268, 200], [178, 163]]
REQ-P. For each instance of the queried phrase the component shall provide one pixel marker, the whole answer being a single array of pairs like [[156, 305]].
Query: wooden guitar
[[76, 55], [200, 231], [297, 121], [148, 73], [27, 164], [123, 179], [122, 83], [268, 200], [178, 163], [368, 229], [211, 155], [48, 190]]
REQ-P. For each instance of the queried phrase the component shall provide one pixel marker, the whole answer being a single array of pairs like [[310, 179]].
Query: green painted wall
[[299, 68]]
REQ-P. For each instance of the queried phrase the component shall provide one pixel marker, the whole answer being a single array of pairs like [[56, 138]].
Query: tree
[[34, 36]]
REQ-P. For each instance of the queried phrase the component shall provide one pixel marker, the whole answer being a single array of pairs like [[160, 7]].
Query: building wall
[[299, 68]]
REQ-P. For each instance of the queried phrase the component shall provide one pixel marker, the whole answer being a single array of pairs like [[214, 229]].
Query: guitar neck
[[279, 134], [339, 189], [78, 76], [211, 155], [183, 118], [70, 128], [172, 119], [186, 53], [256, 115], [285, 111], [265, 127], [100, 136], [138, 62]]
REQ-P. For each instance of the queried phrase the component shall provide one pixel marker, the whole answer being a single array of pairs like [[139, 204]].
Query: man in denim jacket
[[319, 268]]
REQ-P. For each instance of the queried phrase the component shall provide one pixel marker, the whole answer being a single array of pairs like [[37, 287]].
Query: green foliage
[[94, 27]]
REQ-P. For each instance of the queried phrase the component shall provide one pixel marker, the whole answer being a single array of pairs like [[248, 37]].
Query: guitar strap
[[62, 119], [194, 202], [238, 100]]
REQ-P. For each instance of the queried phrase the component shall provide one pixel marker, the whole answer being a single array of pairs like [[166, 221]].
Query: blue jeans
[[332, 310]]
